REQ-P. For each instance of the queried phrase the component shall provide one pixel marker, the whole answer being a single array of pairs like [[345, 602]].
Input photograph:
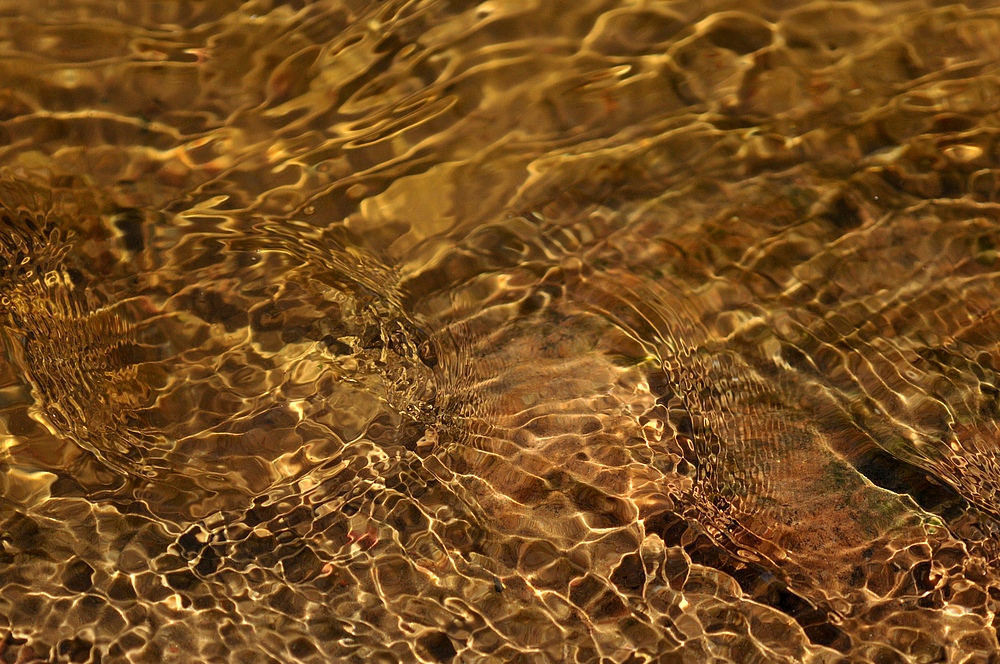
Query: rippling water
[[510, 331]]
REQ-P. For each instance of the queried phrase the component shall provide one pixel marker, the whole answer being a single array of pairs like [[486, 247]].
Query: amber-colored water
[[514, 331]]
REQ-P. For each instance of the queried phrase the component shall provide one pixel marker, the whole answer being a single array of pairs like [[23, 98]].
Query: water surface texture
[[594, 331]]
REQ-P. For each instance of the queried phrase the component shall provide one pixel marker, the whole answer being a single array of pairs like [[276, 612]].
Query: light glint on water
[[512, 331]]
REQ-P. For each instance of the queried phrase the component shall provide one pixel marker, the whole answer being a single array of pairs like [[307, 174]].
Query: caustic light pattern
[[504, 332]]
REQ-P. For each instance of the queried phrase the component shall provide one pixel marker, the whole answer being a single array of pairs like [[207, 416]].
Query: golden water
[[502, 331]]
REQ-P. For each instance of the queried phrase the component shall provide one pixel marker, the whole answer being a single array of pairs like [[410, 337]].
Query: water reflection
[[501, 332]]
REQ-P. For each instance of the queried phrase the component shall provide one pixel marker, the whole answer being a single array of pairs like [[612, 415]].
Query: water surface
[[512, 331]]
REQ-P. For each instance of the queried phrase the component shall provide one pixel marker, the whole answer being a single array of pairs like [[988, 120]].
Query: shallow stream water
[[595, 331]]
